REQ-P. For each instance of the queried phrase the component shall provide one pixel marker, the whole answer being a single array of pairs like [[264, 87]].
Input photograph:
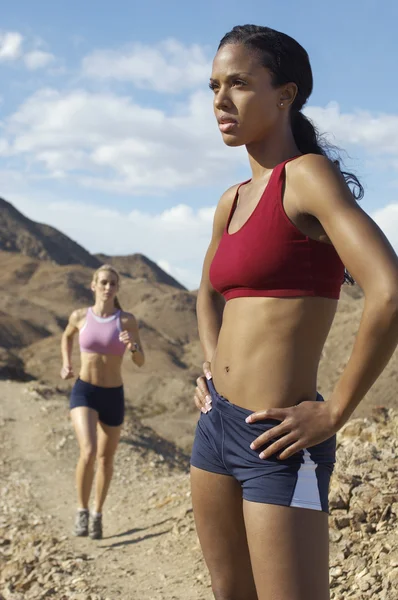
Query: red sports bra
[[269, 256]]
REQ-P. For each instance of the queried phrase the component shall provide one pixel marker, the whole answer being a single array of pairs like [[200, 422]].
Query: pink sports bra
[[100, 335]]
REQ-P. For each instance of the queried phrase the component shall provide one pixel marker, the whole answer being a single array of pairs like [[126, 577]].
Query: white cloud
[[167, 67], [4, 148], [38, 59], [373, 132], [109, 142], [387, 219], [10, 45]]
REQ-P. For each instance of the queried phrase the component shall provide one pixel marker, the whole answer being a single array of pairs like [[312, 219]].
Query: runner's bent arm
[[67, 341]]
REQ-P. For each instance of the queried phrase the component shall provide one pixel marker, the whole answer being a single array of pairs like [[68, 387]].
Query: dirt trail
[[149, 551]]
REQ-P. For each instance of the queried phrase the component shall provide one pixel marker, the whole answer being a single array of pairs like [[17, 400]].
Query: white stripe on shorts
[[306, 492]]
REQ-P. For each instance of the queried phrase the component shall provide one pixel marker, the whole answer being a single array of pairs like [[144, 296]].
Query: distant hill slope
[[139, 266], [20, 234]]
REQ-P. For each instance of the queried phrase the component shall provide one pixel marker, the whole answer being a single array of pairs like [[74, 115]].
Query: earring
[[281, 103]]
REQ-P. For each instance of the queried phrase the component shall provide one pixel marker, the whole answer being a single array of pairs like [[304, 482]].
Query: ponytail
[[305, 134], [117, 303], [309, 141]]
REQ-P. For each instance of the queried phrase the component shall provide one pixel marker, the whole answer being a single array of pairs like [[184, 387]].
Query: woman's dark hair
[[288, 62]]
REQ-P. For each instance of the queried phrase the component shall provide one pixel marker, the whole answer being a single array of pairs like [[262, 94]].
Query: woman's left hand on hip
[[302, 426]]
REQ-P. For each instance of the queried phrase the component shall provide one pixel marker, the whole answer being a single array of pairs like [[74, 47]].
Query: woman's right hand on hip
[[202, 396]]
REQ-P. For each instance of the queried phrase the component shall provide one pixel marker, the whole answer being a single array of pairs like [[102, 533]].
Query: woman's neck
[[271, 151], [104, 309]]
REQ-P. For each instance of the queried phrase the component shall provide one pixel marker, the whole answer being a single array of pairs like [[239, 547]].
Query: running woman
[[264, 448], [97, 398]]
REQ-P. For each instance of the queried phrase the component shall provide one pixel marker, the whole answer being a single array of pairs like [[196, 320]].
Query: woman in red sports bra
[[264, 447]]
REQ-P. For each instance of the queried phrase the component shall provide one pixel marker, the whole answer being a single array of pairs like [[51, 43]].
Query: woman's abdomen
[[269, 349], [102, 370]]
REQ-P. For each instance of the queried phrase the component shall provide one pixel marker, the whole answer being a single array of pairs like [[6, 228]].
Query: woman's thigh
[[84, 421], [218, 511], [108, 440], [289, 551]]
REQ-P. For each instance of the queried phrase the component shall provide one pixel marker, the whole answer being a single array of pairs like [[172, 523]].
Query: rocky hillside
[[364, 509], [20, 234]]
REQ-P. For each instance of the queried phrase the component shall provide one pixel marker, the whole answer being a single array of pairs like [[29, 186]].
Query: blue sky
[[106, 126]]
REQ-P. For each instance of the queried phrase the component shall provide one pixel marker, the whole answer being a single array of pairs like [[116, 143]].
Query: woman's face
[[106, 286], [246, 104]]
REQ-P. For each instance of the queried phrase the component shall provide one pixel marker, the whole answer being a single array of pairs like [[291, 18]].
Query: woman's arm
[[67, 344], [131, 337], [372, 262], [210, 304], [209, 309], [321, 191]]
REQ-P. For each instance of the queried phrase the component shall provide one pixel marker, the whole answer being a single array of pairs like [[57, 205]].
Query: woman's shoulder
[[319, 186], [127, 317], [223, 210], [78, 314], [226, 200], [311, 164], [229, 195]]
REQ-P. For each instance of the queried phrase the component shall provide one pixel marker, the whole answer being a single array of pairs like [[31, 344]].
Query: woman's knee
[[88, 454], [222, 594], [105, 461], [225, 590]]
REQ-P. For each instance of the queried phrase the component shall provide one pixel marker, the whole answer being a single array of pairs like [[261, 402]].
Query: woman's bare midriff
[[100, 369], [269, 350]]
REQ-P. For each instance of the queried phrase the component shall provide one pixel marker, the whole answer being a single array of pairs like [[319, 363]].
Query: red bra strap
[[235, 203]]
